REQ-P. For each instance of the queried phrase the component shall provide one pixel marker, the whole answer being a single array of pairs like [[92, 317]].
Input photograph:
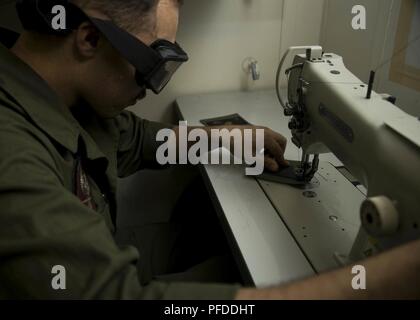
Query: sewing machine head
[[332, 110]]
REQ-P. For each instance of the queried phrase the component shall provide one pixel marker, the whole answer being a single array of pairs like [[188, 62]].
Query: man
[[64, 140]]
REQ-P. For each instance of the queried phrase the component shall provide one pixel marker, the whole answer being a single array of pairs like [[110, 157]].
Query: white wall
[[220, 34], [364, 50]]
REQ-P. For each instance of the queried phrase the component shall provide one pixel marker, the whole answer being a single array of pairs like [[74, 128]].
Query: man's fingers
[[270, 164], [281, 140], [276, 151], [274, 148]]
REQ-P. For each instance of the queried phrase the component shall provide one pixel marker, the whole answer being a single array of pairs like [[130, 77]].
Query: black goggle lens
[[172, 58], [163, 75]]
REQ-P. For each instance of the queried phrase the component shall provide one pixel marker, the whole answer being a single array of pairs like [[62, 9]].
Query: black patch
[[232, 119]]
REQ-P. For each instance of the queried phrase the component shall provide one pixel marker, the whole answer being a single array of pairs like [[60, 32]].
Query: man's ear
[[87, 40]]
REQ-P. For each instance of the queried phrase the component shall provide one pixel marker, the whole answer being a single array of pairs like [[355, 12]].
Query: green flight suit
[[43, 223]]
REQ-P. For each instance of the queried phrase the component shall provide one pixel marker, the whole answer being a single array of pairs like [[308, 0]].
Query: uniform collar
[[40, 102]]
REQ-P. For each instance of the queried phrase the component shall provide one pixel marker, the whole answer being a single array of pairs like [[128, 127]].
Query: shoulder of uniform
[[21, 141]]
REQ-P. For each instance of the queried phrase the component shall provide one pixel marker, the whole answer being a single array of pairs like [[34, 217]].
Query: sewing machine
[[332, 110]]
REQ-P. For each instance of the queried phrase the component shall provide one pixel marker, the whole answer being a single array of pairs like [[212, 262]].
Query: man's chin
[[142, 95], [111, 113], [132, 103], [136, 100], [115, 111]]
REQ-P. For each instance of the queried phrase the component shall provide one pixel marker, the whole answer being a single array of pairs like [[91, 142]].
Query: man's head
[[90, 68]]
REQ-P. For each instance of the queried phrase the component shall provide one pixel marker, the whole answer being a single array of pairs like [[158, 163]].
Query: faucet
[[251, 66], [255, 70]]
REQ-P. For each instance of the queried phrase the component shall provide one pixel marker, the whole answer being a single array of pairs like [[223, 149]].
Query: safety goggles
[[155, 64]]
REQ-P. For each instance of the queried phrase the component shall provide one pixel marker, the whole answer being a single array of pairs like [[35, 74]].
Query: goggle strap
[[128, 46]]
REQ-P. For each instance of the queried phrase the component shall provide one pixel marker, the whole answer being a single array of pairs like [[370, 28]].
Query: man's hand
[[275, 146], [274, 143]]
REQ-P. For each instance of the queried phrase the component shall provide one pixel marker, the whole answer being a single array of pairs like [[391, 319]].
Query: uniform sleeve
[[43, 225], [137, 143]]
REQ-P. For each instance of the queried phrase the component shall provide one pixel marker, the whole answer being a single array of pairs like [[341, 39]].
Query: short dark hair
[[131, 15]]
